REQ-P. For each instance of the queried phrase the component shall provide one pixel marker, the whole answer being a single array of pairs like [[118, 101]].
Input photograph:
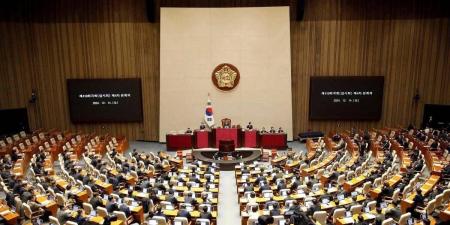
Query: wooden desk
[[425, 188], [8, 215], [445, 213], [279, 160], [107, 188], [138, 213], [49, 205], [308, 171], [354, 218], [350, 185]]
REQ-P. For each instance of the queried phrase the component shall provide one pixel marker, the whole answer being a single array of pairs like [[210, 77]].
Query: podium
[[249, 139], [273, 140], [225, 134], [178, 141], [201, 138]]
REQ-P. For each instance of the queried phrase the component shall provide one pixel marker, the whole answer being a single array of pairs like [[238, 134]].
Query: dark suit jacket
[[184, 213], [206, 215], [111, 207]]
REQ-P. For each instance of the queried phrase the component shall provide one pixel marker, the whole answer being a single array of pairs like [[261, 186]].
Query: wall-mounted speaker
[[300, 10], [151, 10]]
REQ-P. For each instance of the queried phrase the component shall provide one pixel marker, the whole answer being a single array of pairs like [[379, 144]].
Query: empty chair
[[371, 205], [404, 219], [53, 220], [29, 214], [203, 221], [377, 182], [60, 200], [180, 221], [338, 213], [87, 208], [320, 217], [102, 212], [439, 199], [252, 221], [446, 196], [341, 179], [389, 221], [356, 209], [159, 220], [121, 216]]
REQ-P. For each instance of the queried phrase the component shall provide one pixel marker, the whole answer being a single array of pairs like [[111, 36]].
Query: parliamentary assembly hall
[[224, 112]]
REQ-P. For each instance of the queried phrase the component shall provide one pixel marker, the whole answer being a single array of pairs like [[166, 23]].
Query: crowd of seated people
[[101, 185], [362, 179]]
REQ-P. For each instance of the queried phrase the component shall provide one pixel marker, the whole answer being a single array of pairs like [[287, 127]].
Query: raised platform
[[208, 155]]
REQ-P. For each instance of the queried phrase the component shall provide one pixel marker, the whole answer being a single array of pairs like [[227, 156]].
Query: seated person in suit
[[189, 131], [272, 130], [111, 206], [205, 214], [361, 220], [280, 130], [263, 130], [184, 213], [265, 220], [190, 199], [250, 126], [202, 126], [418, 200], [159, 212], [270, 204]]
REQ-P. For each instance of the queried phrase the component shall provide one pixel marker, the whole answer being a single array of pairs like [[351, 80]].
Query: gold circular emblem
[[225, 77]]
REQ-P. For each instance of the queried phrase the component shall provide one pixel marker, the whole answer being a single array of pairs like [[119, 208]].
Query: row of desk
[[210, 139]]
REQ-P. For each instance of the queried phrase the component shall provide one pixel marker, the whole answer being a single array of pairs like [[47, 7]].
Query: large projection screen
[[255, 40], [346, 97]]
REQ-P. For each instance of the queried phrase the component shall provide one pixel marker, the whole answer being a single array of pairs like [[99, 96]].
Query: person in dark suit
[[124, 208], [79, 219], [275, 211], [184, 213], [361, 221], [265, 220], [270, 203], [189, 199], [111, 206], [159, 212], [96, 201], [249, 126], [171, 197], [205, 214], [281, 185], [418, 200], [272, 130], [313, 208], [249, 187], [380, 217], [265, 186]]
